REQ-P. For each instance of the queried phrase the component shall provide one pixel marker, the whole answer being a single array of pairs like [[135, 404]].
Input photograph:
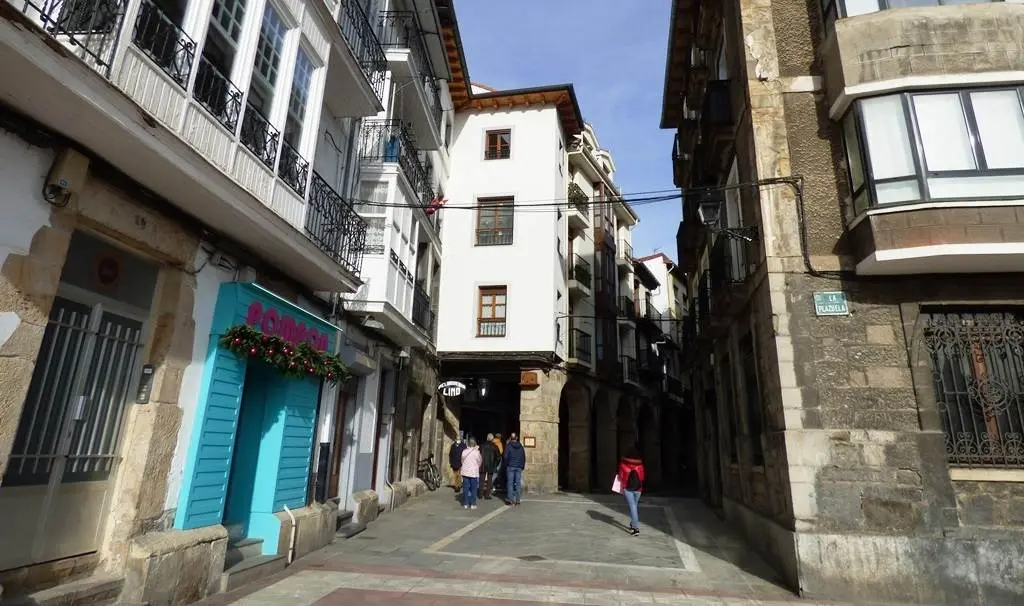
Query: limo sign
[[451, 389]]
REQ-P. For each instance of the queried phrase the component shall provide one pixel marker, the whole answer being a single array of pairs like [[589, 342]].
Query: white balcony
[[174, 123], [355, 82], [417, 95]]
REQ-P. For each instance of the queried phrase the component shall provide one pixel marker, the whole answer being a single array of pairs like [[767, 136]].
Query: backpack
[[633, 481]]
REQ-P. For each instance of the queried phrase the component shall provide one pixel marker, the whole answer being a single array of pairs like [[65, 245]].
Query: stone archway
[[574, 437]]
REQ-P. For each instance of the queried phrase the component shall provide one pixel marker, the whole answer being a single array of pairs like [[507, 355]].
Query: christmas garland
[[294, 361]]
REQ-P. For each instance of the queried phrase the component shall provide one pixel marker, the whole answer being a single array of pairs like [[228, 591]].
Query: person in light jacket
[[631, 478], [472, 460], [515, 463]]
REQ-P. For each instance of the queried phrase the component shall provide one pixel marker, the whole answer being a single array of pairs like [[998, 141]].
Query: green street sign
[[832, 303]]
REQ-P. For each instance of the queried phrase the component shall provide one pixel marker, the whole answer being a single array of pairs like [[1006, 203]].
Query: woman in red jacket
[[631, 477]]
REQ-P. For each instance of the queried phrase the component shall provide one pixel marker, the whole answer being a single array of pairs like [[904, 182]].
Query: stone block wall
[[538, 418], [928, 41]]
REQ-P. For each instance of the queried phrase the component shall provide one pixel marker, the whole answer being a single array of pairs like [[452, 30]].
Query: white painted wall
[[208, 282], [530, 268], [23, 212]]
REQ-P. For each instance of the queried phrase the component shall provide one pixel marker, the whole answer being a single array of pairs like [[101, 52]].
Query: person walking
[[455, 461], [631, 478], [515, 463], [491, 457], [471, 462]]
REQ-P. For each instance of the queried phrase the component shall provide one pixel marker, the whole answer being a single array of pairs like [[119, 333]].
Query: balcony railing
[[625, 251], [358, 33], [629, 370], [580, 343], [259, 136], [422, 315], [334, 225], [391, 141], [580, 270], [727, 263], [400, 29], [293, 169], [164, 42], [651, 312], [218, 95], [491, 328], [88, 28], [649, 362], [627, 308]]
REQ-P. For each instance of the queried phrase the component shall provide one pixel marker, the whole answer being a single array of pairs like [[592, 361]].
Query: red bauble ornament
[[237, 341]]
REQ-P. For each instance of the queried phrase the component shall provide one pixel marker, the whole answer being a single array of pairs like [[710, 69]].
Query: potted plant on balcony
[[576, 196]]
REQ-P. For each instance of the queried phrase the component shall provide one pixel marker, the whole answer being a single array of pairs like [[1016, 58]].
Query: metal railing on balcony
[[334, 225], [259, 136], [218, 95], [401, 29], [629, 370], [490, 327], [580, 270], [649, 362], [358, 32], [627, 308], [651, 312], [578, 198], [89, 29], [727, 262], [580, 344], [391, 141], [422, 315], [293, 169], [164, 42]]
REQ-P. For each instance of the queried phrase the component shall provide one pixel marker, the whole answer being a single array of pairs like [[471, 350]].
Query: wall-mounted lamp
[[482, 386], [369, 322], [403, 359], [709, 211]]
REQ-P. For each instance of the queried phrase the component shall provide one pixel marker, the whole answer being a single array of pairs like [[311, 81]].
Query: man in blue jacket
[[515, 463]]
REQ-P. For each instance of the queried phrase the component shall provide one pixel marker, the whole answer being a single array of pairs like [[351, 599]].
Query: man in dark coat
[[515, 463], [455, 461], [492, 457]]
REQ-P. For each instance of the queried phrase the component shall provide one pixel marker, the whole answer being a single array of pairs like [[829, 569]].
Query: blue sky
[[613, 52]]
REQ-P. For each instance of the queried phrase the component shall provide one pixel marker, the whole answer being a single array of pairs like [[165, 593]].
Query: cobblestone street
[[566, 549]]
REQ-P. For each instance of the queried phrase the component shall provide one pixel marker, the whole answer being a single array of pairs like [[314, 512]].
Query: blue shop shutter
[[297, 443], [211, 462]]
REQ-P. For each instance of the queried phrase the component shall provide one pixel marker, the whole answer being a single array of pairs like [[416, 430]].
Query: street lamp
[[481, 387], [709, 211]]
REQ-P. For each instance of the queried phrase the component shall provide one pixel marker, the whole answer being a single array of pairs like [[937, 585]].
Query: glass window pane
[[500, 299], [888, 139], [947, 144], [486, 220], [499, 311], [860, 203], [485, 313], [897, 191], [972, 188], [1001, 126], [853, 152], [861, 7]]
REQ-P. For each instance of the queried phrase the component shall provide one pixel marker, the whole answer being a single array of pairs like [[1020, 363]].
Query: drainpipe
[[291, 544]]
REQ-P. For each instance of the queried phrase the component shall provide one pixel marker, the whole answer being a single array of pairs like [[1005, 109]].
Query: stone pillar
[[650, 448], [607, 453], [28, 284], [538, 419], [579, 420]]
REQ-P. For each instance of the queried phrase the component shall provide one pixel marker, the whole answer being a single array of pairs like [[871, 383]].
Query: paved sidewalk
[[563, 549]]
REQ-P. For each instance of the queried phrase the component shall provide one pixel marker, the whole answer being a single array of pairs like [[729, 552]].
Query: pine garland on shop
[[294, 361]]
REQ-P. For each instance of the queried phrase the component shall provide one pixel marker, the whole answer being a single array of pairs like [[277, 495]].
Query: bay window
[[933, 146]]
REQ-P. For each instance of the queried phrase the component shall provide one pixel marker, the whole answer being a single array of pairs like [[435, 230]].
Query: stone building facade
[[875, 453]]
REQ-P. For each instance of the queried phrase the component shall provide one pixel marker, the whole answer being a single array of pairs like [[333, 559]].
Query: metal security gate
[[977, 362], [55, 492]]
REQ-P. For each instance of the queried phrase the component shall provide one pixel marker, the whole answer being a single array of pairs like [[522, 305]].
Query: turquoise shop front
[[251, 446]]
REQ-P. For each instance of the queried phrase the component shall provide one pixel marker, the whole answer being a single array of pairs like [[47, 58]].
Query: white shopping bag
[[617, 485]]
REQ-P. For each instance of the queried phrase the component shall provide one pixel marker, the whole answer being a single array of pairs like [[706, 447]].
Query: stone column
[[607, 453], [538, 419]]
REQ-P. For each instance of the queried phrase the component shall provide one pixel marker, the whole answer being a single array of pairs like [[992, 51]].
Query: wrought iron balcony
[[400, 29], [490, 327], [651, 312], [649, 362], [625, 251], [580, 344], [357, 31], [391, 141], [580, 270], [163, 41], [259, 136], [293, 168], [727, 263], [627, 308], [217, 95], [422, 315], [334, 225], [89, 29]]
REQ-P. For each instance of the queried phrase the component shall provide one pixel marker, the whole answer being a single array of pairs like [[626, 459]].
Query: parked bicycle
[[429, 473]]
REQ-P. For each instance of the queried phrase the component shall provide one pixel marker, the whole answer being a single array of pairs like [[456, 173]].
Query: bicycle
[[429, 473]]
